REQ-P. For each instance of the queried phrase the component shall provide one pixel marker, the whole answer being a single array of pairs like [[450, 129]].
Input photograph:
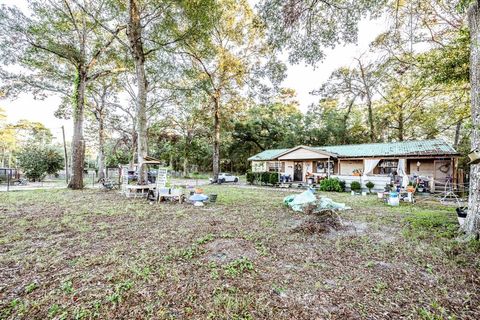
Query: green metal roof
[[391, 149], [267, 155]]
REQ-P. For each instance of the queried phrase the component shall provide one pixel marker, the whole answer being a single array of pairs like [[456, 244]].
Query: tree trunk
[[458, 129], [136, 47], [134, 146], [369, 102], [185, 167], [216, 139], [101, 146], [401, 125], [185, 155], [78, 141], [141, 122], [472, 222], [345, 121]]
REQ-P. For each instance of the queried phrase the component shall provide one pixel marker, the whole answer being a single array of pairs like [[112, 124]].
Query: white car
[[225, 177]]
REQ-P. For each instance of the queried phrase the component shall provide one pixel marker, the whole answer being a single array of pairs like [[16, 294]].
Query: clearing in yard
[[91, 254]]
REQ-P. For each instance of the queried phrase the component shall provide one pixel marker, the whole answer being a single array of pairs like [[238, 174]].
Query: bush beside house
[[355, 186], [331, 184], [263, 178]]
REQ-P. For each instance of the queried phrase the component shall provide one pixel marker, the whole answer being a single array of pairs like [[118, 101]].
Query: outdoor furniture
[[108, 184], [133, 190], [173, 195]]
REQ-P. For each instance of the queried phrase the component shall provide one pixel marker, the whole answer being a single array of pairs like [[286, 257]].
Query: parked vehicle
[[20, 182], [225, 177]]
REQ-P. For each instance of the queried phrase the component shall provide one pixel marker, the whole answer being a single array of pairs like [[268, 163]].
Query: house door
[[298, 171]]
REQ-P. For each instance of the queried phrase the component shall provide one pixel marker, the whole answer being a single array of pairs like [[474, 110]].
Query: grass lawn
[[92, 254]]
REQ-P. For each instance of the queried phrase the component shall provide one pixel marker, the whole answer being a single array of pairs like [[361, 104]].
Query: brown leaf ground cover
[[91, 254]]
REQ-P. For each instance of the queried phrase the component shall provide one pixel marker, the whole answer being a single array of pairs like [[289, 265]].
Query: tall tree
[[472, 222], [223, 64], [7, 141], [153, 28], [352, 85], [306, 28], [59, 45], [101, 100]]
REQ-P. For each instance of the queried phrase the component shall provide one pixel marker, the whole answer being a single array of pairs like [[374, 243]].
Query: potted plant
[[461, 215], [410, 187], [420, 187], [355, 186], [370, 186]]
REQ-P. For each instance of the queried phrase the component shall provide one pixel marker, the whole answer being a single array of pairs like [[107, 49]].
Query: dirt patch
[[226, 250], [324, 221]]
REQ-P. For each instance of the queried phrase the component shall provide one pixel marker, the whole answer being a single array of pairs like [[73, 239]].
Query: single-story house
[[433, 161]]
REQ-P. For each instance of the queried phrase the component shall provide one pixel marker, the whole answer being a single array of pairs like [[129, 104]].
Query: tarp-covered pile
[[307, 199]]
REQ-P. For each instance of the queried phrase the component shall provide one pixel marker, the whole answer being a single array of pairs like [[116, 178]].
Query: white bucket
[[393, 201]]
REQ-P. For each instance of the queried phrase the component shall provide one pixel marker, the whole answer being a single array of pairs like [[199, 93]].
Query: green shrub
[[343, 184], [250, 177], [331, 184], [273, 178], [355, 186], [370, 186], [265, 177], [258, 177], [38, 160]]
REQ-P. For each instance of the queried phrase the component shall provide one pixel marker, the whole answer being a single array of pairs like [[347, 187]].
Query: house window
[[323, 166], [388, 166], [276, 166]]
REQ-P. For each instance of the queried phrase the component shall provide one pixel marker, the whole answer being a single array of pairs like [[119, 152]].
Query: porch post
[[328, 167], [278, 171]]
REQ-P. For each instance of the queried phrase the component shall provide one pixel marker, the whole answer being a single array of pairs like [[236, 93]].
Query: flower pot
[[212, 197], [461, 215]]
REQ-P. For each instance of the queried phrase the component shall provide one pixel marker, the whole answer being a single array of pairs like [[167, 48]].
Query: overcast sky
[[302, 78]]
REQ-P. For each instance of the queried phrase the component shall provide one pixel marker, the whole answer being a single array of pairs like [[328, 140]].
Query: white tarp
[[402, 171], [370, 164]]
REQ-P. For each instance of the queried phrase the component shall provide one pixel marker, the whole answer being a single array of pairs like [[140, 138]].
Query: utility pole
[[66, 157]]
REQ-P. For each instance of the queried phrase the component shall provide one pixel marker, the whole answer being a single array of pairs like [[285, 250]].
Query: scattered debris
[[323, 221], [308, 199], [323, 217]]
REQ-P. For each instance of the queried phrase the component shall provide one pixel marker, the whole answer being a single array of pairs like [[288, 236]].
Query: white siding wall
[[347, 166], [307, 167], [302, 154], [289, 168], [426, 168], [259, 166]]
